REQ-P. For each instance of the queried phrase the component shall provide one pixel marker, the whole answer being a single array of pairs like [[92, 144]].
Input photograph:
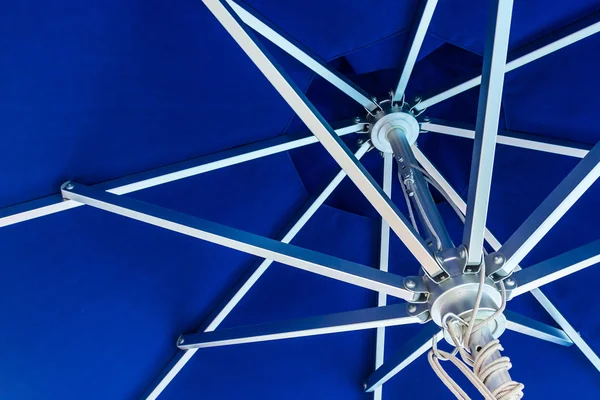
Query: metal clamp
[[494, 263], [421, 311], [416, 285]]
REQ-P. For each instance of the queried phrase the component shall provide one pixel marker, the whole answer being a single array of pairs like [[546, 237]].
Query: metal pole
[[478, 340], [435, 232]]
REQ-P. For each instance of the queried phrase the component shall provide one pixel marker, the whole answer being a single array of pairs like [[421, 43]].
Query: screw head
[[365, 386], [412, 308], [69, 186], [360, 142], [181, 340], [411, 284], [498, 259], [356, 119], [417, 99], [510, 282], [426, 119], [462, 253]]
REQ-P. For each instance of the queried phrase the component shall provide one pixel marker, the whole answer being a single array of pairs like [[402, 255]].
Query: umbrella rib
[[334, 146], [567, 36], [530, 327], [552, 209], [496, 245], [170, 173], [304, 259], [409, 352], [417, 37], [384, 256], [514, 139], [567, 328], [303, 55], [369, 318], [556, 268], [488, 115]]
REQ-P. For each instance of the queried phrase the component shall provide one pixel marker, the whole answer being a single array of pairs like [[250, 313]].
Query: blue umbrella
[[192, 237]]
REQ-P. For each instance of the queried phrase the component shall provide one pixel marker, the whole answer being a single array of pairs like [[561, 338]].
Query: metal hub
[[388, 118], [456, 297]]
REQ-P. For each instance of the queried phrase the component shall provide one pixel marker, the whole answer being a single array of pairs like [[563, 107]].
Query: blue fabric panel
[[92, 302], [330, 366], [338, 27], [462, 22], [97, 91], [556, 95]]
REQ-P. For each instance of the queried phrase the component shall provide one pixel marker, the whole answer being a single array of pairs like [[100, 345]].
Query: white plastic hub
[[396, 120]]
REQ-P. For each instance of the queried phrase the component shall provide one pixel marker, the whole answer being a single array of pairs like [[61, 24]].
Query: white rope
[[480, 374], [507, 390]]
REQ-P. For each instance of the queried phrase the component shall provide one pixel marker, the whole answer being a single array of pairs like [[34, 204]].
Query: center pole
[[431, 223], [456, 295], [478, 340]]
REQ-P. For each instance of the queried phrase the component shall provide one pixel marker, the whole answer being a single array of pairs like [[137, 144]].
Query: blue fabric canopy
[[92, 303]]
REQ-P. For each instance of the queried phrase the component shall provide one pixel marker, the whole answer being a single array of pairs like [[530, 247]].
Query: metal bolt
[[411, 194], [498, 259], [417, 99], [411, 284], [365, 386], [356, 119], [69, 186], [181, 340], [360, 142], [374, 99], [462, 253], [426, 119], [412, 308], [510, 282]]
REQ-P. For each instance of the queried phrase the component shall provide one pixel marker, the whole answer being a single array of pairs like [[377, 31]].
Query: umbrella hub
[[453, 300], [388, 117]]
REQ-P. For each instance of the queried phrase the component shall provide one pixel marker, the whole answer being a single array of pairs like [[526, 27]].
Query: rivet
[[498, 259], [411, 284], [412, 308], [69, 186], [510, 282]]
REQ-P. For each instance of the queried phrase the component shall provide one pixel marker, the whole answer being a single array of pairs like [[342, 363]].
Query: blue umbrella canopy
[[93, 303]]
